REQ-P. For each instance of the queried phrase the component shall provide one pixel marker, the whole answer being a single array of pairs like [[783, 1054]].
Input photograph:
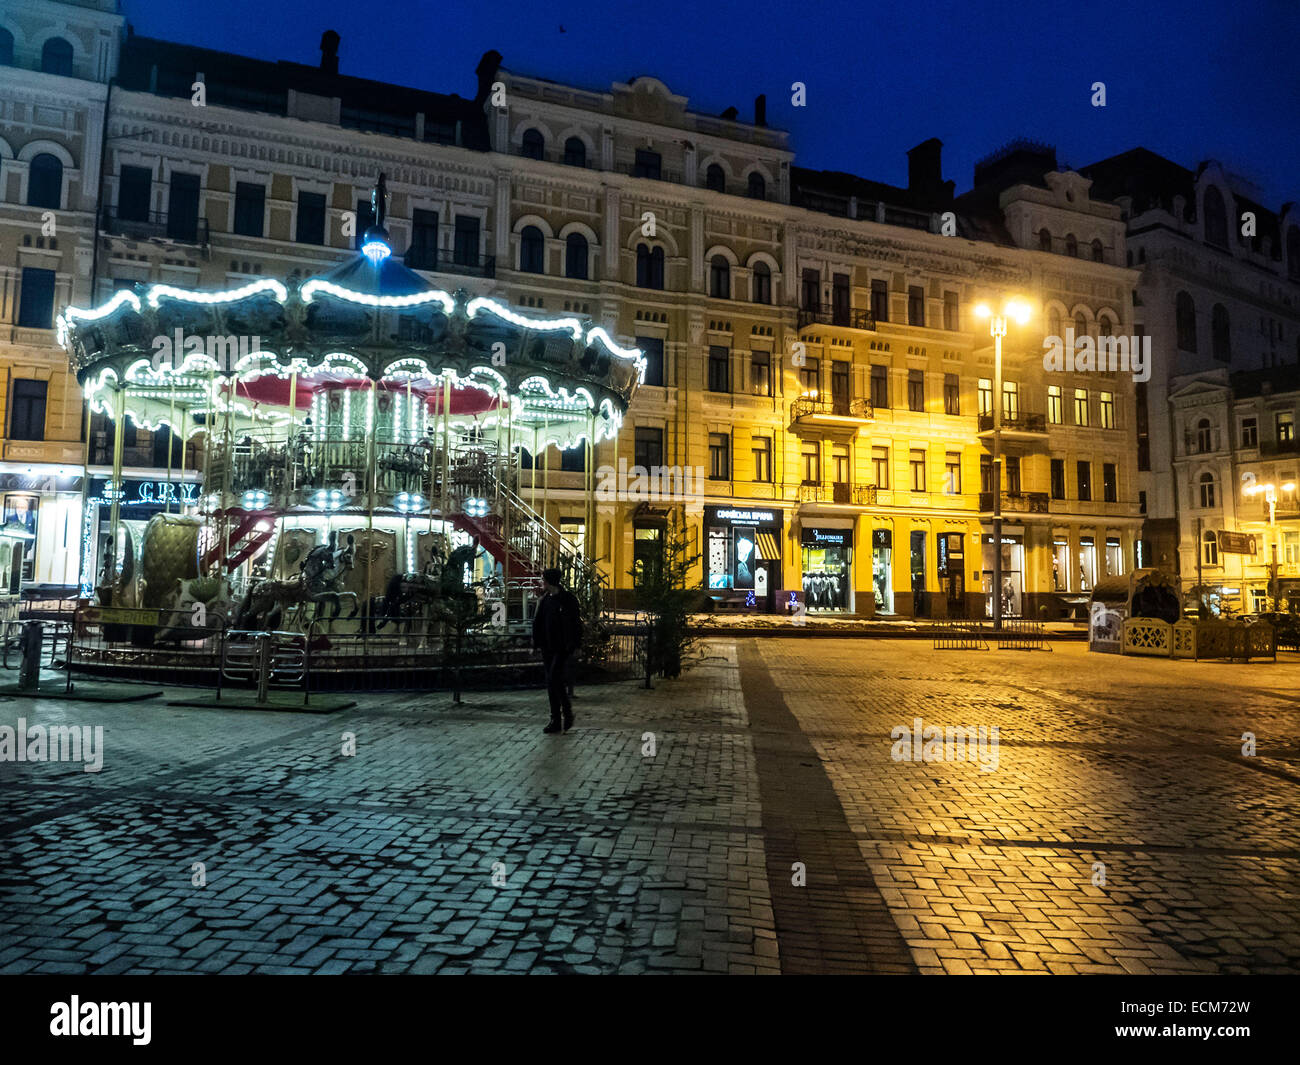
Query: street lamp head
[[982, 310], [1252, 489], [1289, 486], [1018, 310]]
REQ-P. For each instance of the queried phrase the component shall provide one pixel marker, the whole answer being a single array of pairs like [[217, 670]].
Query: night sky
[[1189, 79]]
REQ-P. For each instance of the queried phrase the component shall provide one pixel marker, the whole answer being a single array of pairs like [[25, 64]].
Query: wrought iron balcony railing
[[155, 224], [848, 319], [1017, 502], [847, 494], [1019, 422], [838, 406]]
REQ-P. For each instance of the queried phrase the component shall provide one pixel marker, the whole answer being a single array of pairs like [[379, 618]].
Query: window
[[1010, 401], [56, 57], [880, 301], [880, 387], [648, 164], [715, 179], [1209, 549], [649, 266], [839, 463], [36, 299], [1105, 327], [250, 208], [1249, 433], [1044, 240], [575, 256], [648, 448], [950, 311], [811, 457], [532, 250], [1054, 323], [1106, 407], [574, 459], [985, 393], [134, 200], [720, 278], [465, 248], [365, 219], [1013, 475], [1204, 435], [653, 349], [915, 305], [762, 283], [6, 48], [1080, 406], [27, 410], [951, 394], [952, 473], [311, 219], [1058, 478], [1071, 245], [810, 290], [1220, 334], [760, 373], [757, 189], [1084, 475], [915, 390], [840, 370], [1080, 325], [719, 369], [423, 252], [840, 299], [986, 473], [880, 466], [719, 457], [762, 451], [1216, 218], [575, 152], [45, 182], [1291, 548], [1108, 489], [810, 376], [533, 145], [916, 462], [1185, 321], [1098, 255], [1284, 422], [1054, 404]]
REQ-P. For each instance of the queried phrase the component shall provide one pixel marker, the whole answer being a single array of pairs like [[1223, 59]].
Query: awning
[[767, 547]]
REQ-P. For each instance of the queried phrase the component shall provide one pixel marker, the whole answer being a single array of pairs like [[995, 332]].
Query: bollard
[[29, 669], [263, 666]]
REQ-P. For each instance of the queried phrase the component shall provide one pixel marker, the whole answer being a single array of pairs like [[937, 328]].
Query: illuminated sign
[[147, 493], [743, 517]]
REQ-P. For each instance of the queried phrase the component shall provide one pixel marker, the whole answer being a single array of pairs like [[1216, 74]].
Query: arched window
[[575, 152], [1071, 245], [715, 179], [1210, 549], [534, 144], [1185, 321], [1098, 255], [45, 182], [720, 278], [1216, 218], [1204, 438], [1105, 327], [1207, 491], [1080, 325], [1293, 250], [1044, 240], [649, 266], [1054, 322], [762, 283], [6, 48], [575, 256], [532, 251], [757, 186], [56, 57], [1220, 334]]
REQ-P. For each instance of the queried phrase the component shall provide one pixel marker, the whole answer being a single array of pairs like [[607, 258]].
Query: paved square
[[769, 831]]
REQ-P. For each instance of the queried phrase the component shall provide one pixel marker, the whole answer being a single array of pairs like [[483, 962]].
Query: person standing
[[557, 633]]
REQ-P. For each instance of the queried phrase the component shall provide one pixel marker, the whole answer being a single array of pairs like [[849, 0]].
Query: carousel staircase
[[254, 531]]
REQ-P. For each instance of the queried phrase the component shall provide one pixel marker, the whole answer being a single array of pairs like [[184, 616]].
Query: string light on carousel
[[354, 433]]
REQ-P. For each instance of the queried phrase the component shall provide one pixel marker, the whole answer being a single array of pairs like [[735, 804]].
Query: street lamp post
[[1270, 497], [997, 330]]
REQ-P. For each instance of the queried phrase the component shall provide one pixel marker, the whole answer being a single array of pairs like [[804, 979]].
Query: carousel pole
[[171, 439], [207, 434], [372, 479], [115, 513], [86, 573], [589, 486], [446, 454], [546, 489], [227, 437]]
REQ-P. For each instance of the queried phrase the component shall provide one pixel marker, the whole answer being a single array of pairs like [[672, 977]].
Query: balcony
[[467, 265], [1017, 502], [156, 225], [846, 319], [1279, 447], [1015, 426], [862, 495], [829, 413]]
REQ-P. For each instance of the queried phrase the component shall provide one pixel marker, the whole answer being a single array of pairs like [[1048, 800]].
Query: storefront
[[1013, 566], [138, 502], [47, 509], [827, 558], [882, 570], [742, 555], [951, 571]]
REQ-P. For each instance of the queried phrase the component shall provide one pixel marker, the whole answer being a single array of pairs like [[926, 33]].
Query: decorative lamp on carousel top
[[339, 395]]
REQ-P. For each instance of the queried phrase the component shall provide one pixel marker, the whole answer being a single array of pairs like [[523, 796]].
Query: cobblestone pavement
[[458, 838]]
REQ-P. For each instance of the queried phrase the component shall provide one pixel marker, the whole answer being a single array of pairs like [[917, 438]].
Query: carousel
[[354, 460]]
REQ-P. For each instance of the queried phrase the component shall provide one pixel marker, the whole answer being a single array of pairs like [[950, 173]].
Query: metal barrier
[[264, 658], [146, 644], [1022, 634], [959, 636], [49, 634]]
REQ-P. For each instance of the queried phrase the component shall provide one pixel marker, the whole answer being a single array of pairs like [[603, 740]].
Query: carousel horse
[[320, 580], [442, 586]]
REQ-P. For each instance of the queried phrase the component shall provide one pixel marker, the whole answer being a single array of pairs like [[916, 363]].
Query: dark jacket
[[557, 625]]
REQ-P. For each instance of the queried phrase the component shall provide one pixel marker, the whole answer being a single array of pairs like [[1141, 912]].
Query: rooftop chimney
[[730, 114], [924, 166], [760, 110], [487, 73], [329, 52]]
